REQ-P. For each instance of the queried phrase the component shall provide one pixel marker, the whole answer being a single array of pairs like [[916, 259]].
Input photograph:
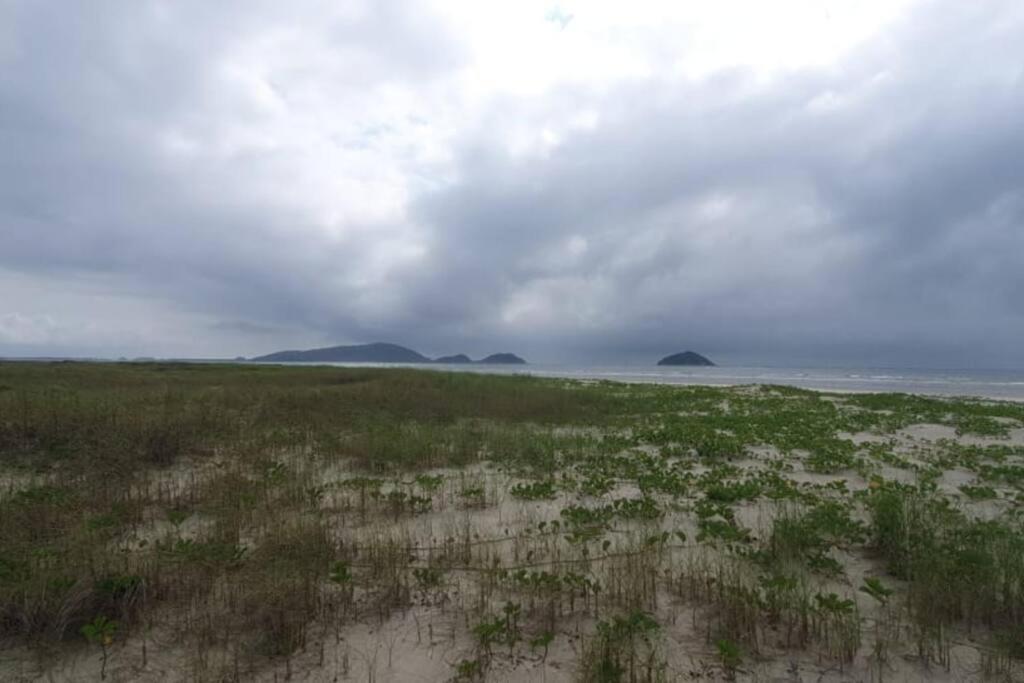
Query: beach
[[165, 521]]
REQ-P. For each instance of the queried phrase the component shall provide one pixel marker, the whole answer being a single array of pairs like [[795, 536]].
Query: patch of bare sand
[[861, 438], [932, 433]]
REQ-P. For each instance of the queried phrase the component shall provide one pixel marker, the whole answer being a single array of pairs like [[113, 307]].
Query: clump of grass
[[959, 569], [730, 655], [624, 648], [979, 492], [809, 535], [836, 626], [101, 631]]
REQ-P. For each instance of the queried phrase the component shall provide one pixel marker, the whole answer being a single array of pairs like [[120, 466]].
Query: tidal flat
[[203, 522]]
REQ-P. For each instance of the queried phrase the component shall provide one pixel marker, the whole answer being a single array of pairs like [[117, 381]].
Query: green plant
[[979, 492], [468, 670], [542, 641], [177, 517], [538, 490], [429, 483], [874, 587], [623, 646], [101, 631], [473, 495], [730, 655], [427, 577], [340, 573]]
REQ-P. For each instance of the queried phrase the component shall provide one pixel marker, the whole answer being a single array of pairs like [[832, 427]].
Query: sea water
[[1001, 384]]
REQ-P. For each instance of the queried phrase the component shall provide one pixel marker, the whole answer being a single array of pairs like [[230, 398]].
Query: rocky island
[[378, 352], [691, 358]]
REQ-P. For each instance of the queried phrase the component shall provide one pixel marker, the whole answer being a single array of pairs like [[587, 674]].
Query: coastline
[[996, 385], [354, 522]]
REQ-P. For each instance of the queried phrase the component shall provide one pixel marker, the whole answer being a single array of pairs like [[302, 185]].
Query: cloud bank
[[827, 182]]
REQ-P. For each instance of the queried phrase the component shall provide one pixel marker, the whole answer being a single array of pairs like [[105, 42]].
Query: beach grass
[[230, 522]]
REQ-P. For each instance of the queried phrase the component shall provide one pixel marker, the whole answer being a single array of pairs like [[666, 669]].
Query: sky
[[822, 182]]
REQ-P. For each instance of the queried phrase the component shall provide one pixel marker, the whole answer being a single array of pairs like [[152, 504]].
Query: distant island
[[378, 352], [686, 358], [361, 353]]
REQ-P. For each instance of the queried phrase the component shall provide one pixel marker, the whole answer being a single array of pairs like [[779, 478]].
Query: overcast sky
[[814, 181]]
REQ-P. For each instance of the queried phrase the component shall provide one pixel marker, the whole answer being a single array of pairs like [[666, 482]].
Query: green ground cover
[[225, 522]]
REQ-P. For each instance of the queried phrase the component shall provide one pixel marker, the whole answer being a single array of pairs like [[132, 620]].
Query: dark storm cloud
[[883, 199], [85, 93], [869, 211]]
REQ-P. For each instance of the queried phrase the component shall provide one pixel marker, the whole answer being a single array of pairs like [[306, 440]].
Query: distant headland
[[686, 358], [378, 352]]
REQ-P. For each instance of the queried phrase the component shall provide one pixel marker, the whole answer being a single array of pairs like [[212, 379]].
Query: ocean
[[995, 383], [998, 384]]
